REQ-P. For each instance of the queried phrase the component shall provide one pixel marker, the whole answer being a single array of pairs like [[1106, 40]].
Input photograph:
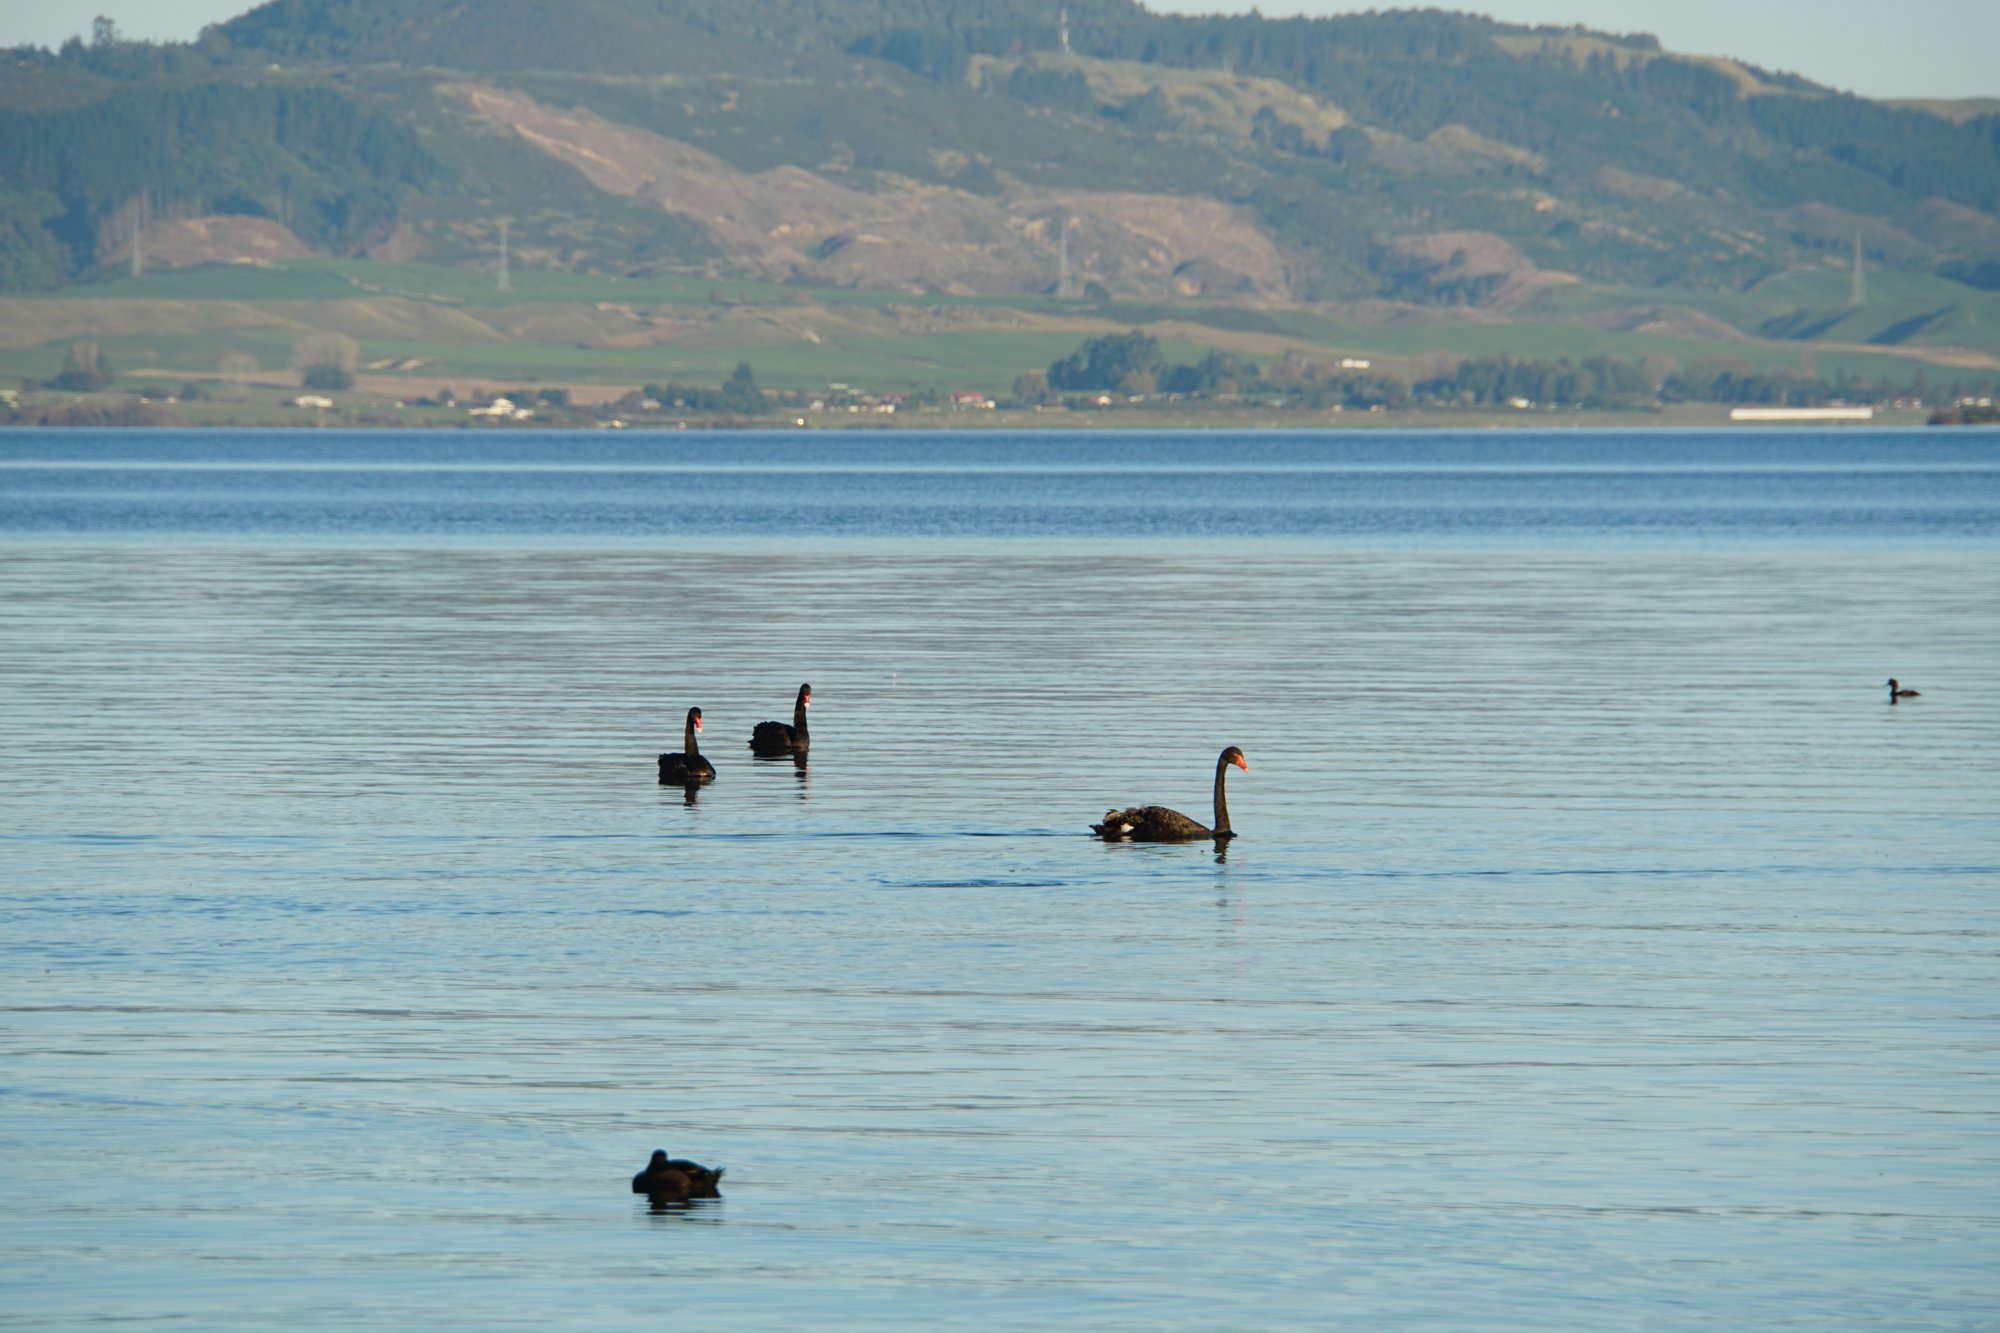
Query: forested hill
[[1421, 157]]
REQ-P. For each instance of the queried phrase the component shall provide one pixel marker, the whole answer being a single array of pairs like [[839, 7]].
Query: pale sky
[[1911, 48]]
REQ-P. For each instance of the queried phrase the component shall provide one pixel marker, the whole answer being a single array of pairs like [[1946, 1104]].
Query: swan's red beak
[[1243, 763], [697, 724]]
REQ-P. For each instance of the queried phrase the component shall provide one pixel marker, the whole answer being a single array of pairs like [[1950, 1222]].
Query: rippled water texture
[[1600, 949]]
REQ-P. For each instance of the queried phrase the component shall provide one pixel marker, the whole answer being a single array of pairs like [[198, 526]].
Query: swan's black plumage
[[1156, 823], [771, 739], [686, 767]]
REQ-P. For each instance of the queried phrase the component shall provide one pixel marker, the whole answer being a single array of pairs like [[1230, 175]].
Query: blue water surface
[[1600, 946], [1379, 489]]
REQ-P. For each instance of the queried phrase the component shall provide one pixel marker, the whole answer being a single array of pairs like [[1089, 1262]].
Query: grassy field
[[1916, 313], [422, 327]]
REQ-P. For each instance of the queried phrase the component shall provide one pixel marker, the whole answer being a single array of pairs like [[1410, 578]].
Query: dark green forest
[[332, 171]]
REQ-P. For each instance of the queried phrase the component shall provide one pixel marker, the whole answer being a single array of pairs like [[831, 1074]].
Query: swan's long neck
[[687, 743], [799, 720], [1221, 804]]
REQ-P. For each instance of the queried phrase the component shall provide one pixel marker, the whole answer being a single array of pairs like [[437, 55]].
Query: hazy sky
[[1910, 48]]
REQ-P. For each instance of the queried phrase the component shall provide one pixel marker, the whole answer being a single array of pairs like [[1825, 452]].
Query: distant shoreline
[[256, 416]]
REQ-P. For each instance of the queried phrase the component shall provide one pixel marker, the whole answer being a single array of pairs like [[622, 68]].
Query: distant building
[[502, 408], [1801, 414]]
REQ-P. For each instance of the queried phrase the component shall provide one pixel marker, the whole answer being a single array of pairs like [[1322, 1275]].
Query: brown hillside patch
[[1953, 226], [1211, 101], [1473, 253], [1480, 254], [408, 387], [1638, 188], [1579, 45], [1154, 245], [1957, 110], [1746, 81], [790, 223], [1464, 142], [222, 239]]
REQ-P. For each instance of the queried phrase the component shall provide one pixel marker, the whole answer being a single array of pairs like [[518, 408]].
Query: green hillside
[[1387, 185]]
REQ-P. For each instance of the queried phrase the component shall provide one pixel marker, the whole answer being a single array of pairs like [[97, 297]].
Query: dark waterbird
[[772, 739], [1156, 823], [686, 767], [675, 1179], [1898, 692]]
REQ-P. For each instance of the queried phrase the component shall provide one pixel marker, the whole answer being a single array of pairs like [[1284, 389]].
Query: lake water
[[1600, 947]]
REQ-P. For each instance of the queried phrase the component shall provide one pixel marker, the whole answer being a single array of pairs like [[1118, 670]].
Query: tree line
[[1132, 364]]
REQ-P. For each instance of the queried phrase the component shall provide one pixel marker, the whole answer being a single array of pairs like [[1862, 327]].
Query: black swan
[[1156, 823], [771, 739], [1898, 692], [687, 768], [676, 1178]]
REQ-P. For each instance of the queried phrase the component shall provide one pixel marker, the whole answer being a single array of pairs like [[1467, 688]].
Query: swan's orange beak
[[1243, 764], [697, 724]]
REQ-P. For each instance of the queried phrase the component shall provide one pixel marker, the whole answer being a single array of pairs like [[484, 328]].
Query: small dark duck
[[675, 1179], [1898, 692]]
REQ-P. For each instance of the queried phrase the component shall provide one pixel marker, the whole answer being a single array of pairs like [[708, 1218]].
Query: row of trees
[[1132, 364], [736, 396]]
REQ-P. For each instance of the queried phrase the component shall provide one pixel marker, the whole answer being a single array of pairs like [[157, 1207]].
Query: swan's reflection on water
[[800, 768], [667, 1205]]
